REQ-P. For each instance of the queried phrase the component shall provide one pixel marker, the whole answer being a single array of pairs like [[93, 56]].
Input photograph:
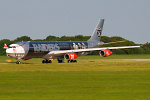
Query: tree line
[[105, 39]]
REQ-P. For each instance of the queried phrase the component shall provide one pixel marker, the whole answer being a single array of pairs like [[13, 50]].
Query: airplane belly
[[32, 54]]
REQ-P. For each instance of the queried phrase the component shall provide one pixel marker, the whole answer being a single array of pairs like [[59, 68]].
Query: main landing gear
[[70, 61], [46, 61], [50, 61], [60, 61]]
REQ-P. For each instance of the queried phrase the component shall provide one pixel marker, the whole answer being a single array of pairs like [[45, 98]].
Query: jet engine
[[105, 53], [70, 56]]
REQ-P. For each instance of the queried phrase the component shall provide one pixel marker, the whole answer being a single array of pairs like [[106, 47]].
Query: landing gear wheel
[[49, 61], [68, 61], [60, 61], [75, 61], [43, 61], [18, 62], [46, 61]]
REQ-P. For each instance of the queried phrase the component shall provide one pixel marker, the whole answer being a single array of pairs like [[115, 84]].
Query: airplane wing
[[90, 49]]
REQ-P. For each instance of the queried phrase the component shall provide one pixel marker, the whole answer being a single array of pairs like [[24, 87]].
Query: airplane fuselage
[[42, 49]]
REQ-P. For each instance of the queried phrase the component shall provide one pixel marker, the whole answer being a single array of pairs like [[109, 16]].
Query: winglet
[[5, 46], [144, 44]]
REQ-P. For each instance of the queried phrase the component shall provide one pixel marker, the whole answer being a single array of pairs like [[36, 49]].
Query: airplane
[[61, 50]]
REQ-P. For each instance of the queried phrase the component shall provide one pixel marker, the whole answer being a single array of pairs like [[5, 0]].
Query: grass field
[[118, 77]]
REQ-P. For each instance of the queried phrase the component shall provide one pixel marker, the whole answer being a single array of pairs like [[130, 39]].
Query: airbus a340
[[68, 50]]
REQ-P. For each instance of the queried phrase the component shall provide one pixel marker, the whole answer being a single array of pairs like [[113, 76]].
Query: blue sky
[[37, 19]]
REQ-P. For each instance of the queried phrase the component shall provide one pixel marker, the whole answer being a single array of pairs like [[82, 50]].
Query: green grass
[[75, 85], [91, 78]]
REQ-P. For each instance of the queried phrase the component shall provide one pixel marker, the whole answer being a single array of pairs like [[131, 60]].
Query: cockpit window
[[9, 47], [12, 47]]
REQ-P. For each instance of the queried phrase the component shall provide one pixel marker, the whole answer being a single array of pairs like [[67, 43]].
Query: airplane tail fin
[[97, 32], [5, 46]]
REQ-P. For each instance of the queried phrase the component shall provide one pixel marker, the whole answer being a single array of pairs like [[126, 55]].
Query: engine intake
[[70, 56], [105, 53]]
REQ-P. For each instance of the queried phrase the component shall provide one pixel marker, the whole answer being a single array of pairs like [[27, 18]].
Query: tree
[[117, 38], [2, 50], [22, 38], [105, 39], [79, 37], [51, 38], [118, 51]]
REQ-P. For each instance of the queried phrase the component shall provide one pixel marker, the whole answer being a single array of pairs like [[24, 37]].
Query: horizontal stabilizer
[[144, 44]]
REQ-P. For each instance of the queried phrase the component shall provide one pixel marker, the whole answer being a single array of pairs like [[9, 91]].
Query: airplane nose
[[9, 52]]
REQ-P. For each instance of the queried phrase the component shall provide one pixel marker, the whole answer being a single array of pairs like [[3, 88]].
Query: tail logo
[[99, 31]]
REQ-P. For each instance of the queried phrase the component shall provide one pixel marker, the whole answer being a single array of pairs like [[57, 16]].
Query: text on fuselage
[[45, 47]]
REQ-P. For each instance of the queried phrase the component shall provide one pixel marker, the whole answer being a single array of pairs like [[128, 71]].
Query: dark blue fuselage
[[40, 49]]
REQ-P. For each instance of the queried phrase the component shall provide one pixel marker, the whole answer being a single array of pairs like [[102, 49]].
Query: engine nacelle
[[70, 56], [105, 53]]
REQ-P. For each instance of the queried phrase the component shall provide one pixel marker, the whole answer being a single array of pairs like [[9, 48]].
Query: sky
[[38, 19]]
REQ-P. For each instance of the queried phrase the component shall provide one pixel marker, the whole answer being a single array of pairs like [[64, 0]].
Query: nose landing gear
[[18, 62], [60, 60]]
